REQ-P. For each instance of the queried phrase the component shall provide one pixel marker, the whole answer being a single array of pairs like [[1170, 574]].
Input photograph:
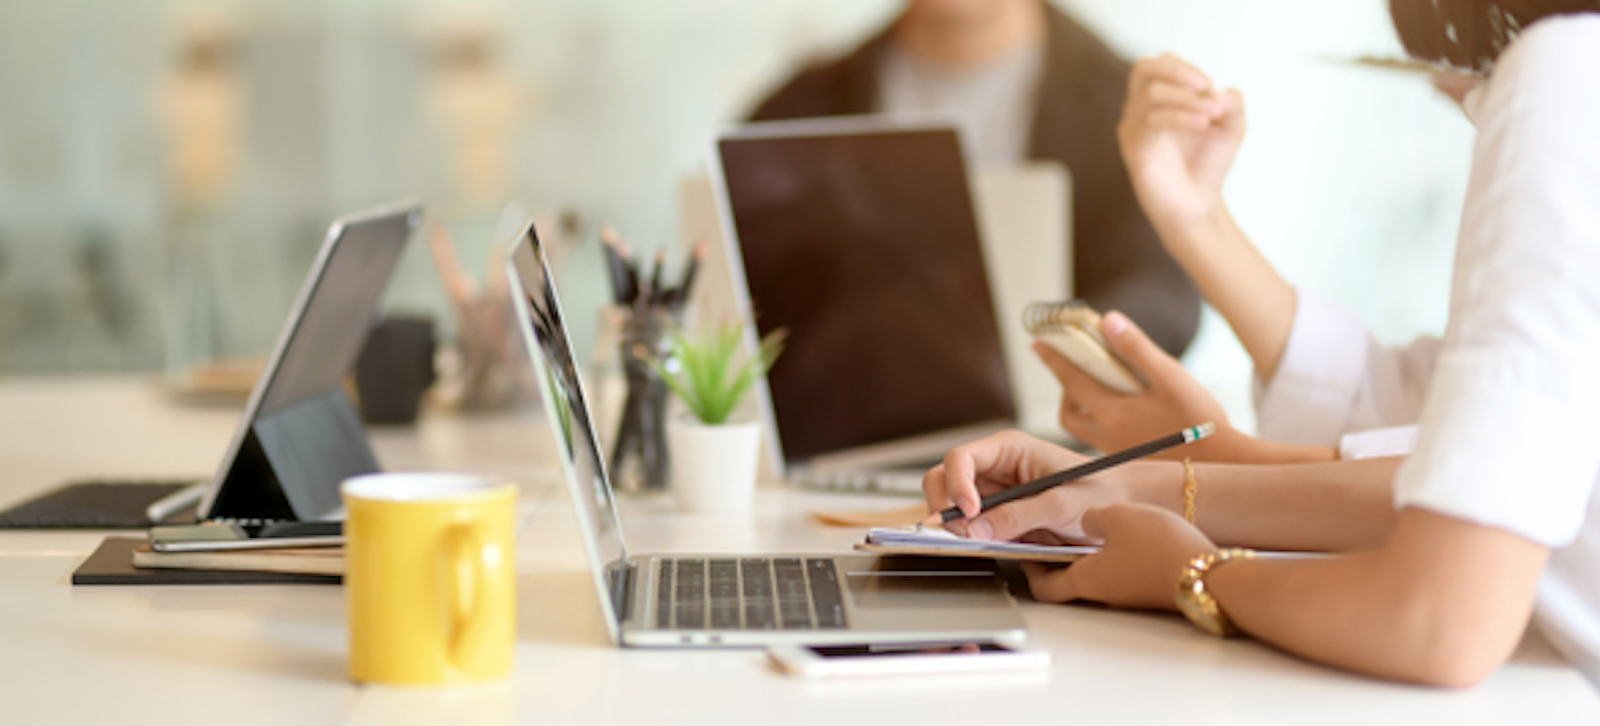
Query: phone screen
[[890, 651]]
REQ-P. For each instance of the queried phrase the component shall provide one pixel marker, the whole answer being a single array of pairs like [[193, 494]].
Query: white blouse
[[1509, 401]]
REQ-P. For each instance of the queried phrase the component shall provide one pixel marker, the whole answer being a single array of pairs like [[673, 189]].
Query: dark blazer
[[1118, 262]]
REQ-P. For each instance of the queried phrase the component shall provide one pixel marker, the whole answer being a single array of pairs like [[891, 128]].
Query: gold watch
[[1196, 603]]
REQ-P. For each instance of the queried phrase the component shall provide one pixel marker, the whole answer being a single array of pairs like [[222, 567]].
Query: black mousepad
[[95, 505]]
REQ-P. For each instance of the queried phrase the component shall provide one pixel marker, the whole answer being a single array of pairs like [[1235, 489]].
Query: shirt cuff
[[1375, 443], [1500, 454], [1310, 398]]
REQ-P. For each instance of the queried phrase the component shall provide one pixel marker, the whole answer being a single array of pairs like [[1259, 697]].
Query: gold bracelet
[[1194, 599], [1191, 488]]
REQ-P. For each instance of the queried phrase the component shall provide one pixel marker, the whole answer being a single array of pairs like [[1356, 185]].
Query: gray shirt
[[992, 105]]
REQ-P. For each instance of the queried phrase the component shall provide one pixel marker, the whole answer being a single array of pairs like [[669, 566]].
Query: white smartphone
[[837, 661]]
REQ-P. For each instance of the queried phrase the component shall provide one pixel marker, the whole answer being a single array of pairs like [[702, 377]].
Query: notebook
[[1073, 328], [299, 560], [112, 564], [926, 542]]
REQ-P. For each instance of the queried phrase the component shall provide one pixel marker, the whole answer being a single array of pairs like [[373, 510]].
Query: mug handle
[[470, 562]]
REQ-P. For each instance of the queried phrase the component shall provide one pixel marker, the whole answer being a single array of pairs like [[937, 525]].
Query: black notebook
[[112, 564]]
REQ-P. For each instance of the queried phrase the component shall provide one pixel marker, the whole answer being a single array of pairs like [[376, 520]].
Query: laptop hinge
[[620, 576]]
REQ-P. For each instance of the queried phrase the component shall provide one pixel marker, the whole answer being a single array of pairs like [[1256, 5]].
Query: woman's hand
[[1179, 135], [1144, 552], [978, 469], [1112, 421]]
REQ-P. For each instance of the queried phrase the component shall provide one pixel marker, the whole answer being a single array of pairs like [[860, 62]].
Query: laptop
[[301, 434], [729, 600], [858, 236]]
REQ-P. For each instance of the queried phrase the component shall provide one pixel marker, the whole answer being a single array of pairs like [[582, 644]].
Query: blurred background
[[168, 168]]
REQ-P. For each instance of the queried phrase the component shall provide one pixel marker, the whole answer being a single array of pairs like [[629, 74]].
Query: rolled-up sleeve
[[1334, 378], [1508, 436], [1313, 393]]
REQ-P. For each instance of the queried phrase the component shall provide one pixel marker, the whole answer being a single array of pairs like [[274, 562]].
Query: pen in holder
[[644, 311], [639, 457]]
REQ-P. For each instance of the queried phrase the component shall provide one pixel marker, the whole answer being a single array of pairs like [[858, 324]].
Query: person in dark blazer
[[962, 54]]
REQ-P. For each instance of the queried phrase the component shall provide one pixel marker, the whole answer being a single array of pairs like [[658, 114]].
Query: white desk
[[275, 654]]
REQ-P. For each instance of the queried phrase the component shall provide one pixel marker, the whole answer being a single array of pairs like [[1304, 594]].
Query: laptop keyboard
[[748, 594]]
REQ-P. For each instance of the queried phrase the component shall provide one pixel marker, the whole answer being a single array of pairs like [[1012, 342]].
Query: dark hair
[[1470, 34]]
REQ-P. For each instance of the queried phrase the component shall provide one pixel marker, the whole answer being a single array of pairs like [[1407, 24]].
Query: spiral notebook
[[1073, 328]]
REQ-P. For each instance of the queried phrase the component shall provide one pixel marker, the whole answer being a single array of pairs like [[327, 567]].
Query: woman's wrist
[[1158, 483], [1195, 232]]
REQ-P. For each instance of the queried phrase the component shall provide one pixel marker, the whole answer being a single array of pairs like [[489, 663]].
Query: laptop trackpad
[[905, 583]]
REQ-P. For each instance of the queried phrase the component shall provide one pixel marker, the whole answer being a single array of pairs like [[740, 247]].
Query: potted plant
[[713, 459]]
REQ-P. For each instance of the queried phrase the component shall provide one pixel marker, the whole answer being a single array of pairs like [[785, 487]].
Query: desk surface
[[275, 654]]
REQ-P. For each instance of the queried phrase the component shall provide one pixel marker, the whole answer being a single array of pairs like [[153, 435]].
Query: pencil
[[1188, 435]]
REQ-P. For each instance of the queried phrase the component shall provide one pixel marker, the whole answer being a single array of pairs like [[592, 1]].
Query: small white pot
[[714, 467]]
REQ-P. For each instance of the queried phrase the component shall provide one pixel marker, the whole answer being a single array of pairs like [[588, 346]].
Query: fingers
[[1135, 348], [1050, 584], [1014, 519], [963, 464], [1075, 384], [933, 490], [1168, 68], [1168, 92]]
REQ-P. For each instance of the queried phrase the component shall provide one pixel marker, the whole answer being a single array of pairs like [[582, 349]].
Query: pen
[[656, 293], [628, 290], [680, 294], [171, 504], [614, 270], [1188, 435]]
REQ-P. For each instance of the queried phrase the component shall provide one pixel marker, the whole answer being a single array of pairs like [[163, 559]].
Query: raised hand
[[1179, 135]]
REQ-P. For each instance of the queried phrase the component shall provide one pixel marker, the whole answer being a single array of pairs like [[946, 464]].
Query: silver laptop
[[858, 236], [728, 600]]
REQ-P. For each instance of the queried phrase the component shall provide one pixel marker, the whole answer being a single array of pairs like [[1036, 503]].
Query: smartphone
[[212, 536], [837, 661]]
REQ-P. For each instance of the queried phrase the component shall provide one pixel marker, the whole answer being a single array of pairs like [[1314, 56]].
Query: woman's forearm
[[1238, 281], [1232, 446], [1443, 602], [1333, 506]]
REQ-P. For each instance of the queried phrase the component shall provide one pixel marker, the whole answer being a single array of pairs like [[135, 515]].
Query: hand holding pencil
[[1011, 484]]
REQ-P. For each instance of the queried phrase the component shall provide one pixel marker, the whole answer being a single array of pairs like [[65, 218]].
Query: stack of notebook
[[296, 560]]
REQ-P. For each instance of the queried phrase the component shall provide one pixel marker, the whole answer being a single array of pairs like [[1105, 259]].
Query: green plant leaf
[[707, 378]]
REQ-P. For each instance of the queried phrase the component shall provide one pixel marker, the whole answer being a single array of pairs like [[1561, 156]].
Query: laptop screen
[[539, 315], [860, 239]]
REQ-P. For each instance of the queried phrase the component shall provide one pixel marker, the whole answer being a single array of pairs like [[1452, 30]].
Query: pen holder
[[639, 458]]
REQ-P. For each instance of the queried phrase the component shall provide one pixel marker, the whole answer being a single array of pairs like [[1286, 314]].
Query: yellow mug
[[430, 577]]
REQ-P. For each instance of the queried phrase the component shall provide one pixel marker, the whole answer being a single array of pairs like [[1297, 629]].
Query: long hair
[[1469, 34]]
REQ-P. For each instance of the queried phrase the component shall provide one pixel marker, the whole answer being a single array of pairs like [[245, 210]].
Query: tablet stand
[[291, 461]]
